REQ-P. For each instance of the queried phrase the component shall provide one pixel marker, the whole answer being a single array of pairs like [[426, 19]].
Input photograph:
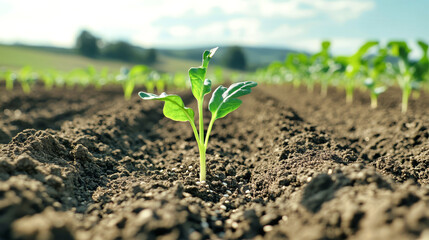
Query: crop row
[[137, 76], [373, 67]]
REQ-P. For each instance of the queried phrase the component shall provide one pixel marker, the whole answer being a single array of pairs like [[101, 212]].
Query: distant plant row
[[138, 76], [374, 67]]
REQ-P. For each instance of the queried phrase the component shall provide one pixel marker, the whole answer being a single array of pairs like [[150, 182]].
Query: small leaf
[[363, 49], [207, 55], [174, 108], [207, 86], [213, 51], [196, 75], [199, 86], [225, 100]]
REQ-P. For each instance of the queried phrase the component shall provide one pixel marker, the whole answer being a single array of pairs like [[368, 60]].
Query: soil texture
[[87, 164]]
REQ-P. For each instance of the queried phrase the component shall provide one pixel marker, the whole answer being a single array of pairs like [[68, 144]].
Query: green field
[[15, 57]]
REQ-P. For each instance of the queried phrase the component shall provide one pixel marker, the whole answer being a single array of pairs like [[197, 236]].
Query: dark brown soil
[[86, 164]]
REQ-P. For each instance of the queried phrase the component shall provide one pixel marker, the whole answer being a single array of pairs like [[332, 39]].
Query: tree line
[[92, 46]]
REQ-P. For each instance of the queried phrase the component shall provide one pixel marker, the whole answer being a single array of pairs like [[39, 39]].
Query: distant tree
[[120, 50], [87, 44], [235, 58], [151, 55]]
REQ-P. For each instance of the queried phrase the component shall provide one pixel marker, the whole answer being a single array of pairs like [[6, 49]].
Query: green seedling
[[353, 67], [410, 74], [150, 81], [165, 81], [374, 68], [274, 73], [291, 64], [401, 50], [126, 82], [223, 101], [323, 67], [10, 78], [48, 78], [299, 65], [27, 77], [156, 81], [374, 90], [422, 69], [129, 78], [78, 76]]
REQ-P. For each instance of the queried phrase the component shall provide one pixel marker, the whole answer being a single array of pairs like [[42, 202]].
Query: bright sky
[[300, 24]]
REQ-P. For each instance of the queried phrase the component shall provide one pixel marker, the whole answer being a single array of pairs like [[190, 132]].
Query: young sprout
[[10, 77], [223, 101], [299, 65], [422, 69], [291, 64], [353, 67], [410, 74], [374, 91], [324, 67], [374, 68], [79, 76], [129, 78], [27, 77], [163, 81]]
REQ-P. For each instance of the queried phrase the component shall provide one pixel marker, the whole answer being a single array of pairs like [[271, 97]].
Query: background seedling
[[374, 67], [353, 67]]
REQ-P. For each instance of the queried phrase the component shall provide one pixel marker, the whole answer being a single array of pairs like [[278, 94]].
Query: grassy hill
[[169, 60], [40, 58]]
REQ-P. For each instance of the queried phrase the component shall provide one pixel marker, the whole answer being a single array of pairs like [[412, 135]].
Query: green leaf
[[207, 86], [399, 49], [225, 100], [174, 108], [363, 49], [198, 85], [207, 55], [137, 70], [325, 46]]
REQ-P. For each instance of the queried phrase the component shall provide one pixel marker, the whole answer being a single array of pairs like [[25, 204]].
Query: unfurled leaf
[[174, 108], [207, 55], [364, 49], [399, 49], [199, 86], [225, 100]]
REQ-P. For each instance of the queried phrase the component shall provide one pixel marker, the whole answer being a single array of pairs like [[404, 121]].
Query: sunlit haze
[[299, 24]]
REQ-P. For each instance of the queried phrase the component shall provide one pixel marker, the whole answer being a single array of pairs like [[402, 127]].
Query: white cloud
[[286, 9], [180, 31], [342, 10], [241, 31], [57, 22]]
